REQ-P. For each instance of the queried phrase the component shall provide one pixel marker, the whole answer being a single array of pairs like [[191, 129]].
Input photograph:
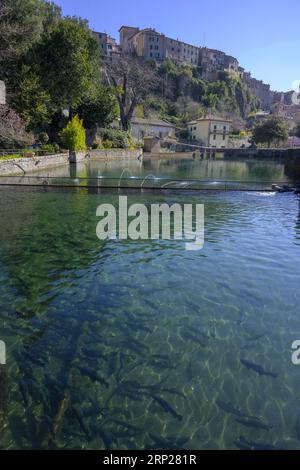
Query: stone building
[[211, 132], [212, 60], [2, 93], [231, 64], [109, 48], [141, 128], [150, 44]]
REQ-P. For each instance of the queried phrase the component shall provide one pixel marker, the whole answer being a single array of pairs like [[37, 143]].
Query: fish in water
[[258, 369], [93, 375], [243, 444], [167, 407], [186, 334], [230, 409], [168, 443], [162, 362], [173, 391], [31, 357], [298, 426], [255, 423], [24, 392], [93, 353], [125, 425], [38, 394], [108, 439], [80, 418]]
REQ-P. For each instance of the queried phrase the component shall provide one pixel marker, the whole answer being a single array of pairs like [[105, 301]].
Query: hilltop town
[[151, 45]]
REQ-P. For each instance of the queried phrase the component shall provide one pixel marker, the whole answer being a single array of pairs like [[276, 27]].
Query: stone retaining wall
[[113, 154], [21, 166]]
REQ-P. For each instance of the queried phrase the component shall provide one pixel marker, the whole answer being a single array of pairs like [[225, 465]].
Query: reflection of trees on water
[[176, 168], [292, 168], [298, 222]]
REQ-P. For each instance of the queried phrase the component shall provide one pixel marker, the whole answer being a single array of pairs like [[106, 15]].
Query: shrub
[[108, 144], [43, 138], [73, 135], [49, 148], [116, 138]]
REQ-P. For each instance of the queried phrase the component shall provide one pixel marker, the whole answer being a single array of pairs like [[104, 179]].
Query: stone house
[[211, 132], [109, 48], [141, 128], [150, 44]]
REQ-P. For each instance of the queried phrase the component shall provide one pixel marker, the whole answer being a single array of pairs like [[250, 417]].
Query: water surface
[[138, 344]]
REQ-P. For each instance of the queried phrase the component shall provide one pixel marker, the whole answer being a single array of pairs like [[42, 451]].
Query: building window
[[215, 136], [156, 48], [191, 129], [151, 55], [215, 128], [195, 128], [224, 136], [151, 47]]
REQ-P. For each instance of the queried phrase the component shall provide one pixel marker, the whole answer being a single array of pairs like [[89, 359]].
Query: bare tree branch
[[132, 80]]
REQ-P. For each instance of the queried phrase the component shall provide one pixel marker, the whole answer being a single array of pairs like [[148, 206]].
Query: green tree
[[99, 111], [73, 135], [32, 102], [272, 130], [69, 63], [21, 25]]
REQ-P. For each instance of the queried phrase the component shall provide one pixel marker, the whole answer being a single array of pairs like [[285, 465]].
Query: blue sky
[[264, 35]]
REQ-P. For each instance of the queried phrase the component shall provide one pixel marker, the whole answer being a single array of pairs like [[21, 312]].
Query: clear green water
[[98, 333], [177, 168]]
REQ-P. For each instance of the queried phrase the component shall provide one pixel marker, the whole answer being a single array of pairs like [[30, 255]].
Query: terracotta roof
[[210, 119]]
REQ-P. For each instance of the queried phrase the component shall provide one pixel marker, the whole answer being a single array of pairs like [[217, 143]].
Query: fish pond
[[142, 344]]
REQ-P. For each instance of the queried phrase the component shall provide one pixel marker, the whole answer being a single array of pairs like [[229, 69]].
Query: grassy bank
[[9, 157]]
